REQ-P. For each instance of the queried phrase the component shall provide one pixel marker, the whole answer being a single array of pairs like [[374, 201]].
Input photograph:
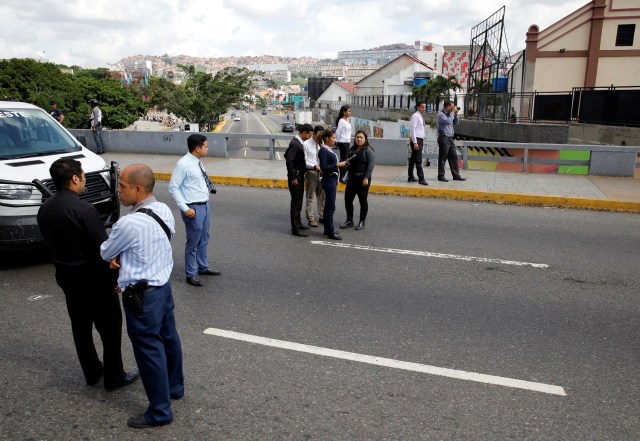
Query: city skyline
[[96, 34]]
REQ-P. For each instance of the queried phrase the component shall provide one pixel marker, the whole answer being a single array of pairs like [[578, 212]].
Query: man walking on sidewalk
[[447, 118], [416, 137]]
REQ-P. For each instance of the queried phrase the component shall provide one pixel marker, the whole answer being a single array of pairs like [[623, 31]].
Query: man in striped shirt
[[139, 246]]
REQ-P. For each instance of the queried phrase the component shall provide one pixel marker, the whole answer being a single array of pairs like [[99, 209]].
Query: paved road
[[255, 123], [461, 302]]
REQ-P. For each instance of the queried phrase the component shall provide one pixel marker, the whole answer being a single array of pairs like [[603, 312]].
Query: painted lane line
[[429, 254], [391, 363]]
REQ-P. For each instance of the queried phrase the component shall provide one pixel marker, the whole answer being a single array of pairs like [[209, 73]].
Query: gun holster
[[134, 295]]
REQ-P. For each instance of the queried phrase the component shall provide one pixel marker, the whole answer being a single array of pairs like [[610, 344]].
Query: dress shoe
[[347, 224], [127, 379], [138, 422], [443, 180], [299, 233], [94, 381], [360, 225], [321, 221], [459, 178], [194, 281], [334, 236], [210, 272], [411, 179], [313, 223], [423, 182], [304, 227]]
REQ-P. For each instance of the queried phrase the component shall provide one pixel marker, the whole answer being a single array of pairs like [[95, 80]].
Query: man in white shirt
[[312, 176], [416, 140]]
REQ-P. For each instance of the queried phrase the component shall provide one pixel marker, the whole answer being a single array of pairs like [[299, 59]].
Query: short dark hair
[[306, 128], [318, 129], [52, 102], [446, 104], [62, 170], [419, 103], [194, 141]]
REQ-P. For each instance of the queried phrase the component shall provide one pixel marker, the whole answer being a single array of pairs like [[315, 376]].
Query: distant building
[[397, 77], [317, 85], [338, 91], [276, 72], [376, 56]]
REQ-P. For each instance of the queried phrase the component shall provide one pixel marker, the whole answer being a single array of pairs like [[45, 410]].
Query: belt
[[197, 203], [150, 288]]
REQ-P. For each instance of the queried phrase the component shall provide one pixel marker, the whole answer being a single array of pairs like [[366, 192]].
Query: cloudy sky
[[95, 33]]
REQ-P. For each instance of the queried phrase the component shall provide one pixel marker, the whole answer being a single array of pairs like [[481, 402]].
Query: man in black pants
[[73, 231], [447, 118], [296, 168]]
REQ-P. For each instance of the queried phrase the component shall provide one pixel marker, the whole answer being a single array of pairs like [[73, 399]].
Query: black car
[[287, 127]]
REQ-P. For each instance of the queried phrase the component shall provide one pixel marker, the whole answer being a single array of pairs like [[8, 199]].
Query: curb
[[461, 195]]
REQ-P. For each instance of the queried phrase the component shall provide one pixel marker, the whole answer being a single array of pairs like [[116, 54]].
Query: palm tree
[[436, 89]]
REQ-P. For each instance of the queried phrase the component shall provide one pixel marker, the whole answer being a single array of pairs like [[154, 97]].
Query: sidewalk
[[568, 191]]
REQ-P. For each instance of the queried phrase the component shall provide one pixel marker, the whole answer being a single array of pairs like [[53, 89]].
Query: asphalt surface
[[254, 122], [573, 323]]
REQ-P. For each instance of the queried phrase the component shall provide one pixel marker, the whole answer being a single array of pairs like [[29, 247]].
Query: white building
[[338, 91], [395, 78]]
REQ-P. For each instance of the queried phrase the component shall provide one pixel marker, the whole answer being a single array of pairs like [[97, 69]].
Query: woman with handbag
[[361, 162], [343, 133], [329, 167]]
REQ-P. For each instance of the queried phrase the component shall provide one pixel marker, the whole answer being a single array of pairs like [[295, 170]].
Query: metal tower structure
[[486, 57]]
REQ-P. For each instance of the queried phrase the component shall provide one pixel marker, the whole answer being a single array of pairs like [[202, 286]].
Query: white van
[[30, 141]]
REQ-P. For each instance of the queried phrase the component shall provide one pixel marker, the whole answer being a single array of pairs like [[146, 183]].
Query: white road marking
[[37, 297], [429, 254], [391, 363]]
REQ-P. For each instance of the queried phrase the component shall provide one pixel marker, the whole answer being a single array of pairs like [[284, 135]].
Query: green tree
[[437, 89], [203, 97]]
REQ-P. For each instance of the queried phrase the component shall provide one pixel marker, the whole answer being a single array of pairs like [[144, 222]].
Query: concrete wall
[[162, 143]]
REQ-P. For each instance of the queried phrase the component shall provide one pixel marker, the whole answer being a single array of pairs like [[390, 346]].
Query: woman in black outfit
[[361, 160], [329, 166]]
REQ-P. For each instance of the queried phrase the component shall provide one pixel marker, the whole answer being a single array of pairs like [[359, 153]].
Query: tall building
[[376, 56]]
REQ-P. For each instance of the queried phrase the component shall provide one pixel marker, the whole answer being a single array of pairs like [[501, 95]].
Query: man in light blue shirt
[[190, 187], [447, 118], [139, 246]]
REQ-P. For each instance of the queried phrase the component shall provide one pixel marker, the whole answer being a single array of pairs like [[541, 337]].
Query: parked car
[[287, 127], [30, 141]]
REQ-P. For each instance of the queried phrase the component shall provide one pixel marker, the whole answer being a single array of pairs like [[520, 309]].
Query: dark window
[[625, 35]]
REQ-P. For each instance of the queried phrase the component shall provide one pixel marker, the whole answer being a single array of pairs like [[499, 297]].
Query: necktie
[[207, 180]]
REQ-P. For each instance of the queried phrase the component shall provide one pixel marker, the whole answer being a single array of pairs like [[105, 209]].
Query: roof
[[415, 60], [349, 87]]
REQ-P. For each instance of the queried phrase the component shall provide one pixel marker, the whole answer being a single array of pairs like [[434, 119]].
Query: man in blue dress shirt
[[190, 187], [139, 246]]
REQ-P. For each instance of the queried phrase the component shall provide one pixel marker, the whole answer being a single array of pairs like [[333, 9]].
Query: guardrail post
[[226, 147], [525, 161], [465, 154], [272, 148]]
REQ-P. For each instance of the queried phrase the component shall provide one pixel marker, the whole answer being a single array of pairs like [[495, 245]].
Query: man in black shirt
[[296, 168], [55, 112], [73, 231]]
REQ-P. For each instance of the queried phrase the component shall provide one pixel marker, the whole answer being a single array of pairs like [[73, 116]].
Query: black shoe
[[347, 224], [127, 379], [321, 221], [210, 272], [138, 422], [194, 281], [459, 178], [304, 227], [334, 236], [360, 225], [94, 381], [423, 182], [299, 233], [443, 180], [411, 179]]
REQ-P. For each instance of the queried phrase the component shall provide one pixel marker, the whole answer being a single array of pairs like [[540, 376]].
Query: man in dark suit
[[73, 231], [296, 168]]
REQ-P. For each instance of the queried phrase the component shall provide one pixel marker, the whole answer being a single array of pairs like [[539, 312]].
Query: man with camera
[[447, 118], [139, 246], [190, 187]]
